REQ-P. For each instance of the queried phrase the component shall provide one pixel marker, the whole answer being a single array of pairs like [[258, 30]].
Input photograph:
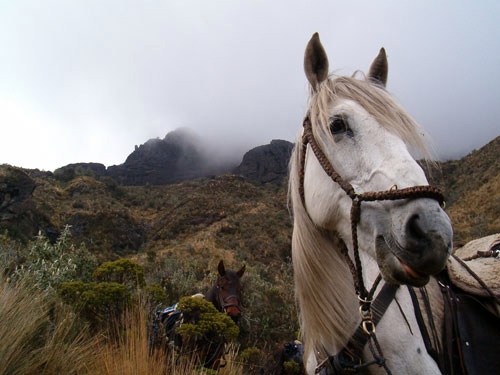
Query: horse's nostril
[[417, 233], [414, 228]]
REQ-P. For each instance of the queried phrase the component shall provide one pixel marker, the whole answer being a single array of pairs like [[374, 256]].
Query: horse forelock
[[376, 101]]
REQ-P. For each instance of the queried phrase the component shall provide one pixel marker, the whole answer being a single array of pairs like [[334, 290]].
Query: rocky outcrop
[[18, 213], [266, 164], [70, 171], [16, 188], [178, 157]]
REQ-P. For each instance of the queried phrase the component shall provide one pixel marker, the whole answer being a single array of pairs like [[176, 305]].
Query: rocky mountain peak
[[267, 163]]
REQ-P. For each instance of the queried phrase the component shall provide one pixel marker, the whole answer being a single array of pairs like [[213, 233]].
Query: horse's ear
[[315, 62], [379, 69], [221, 268], [241, 271]]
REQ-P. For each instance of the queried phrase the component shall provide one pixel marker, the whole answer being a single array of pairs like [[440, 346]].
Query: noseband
[[222, 301], [365, 297]]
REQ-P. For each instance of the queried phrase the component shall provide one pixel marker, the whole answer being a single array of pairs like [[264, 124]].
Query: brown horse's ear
[[379, 69], [221, 268], [315, 62], [241, 271]]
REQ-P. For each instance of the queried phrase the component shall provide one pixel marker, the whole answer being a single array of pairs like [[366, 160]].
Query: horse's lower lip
[[410, 271], [396, 270]]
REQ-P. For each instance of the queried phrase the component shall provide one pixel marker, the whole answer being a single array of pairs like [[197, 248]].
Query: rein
[[365, 297]]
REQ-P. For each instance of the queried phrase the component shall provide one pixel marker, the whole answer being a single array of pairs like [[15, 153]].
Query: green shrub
[[96, 302], [49, 265], [151, 256], [65, 174], [178, 276], [78, 205], [270, 312], [123, 271], [254, 360], [156, 294], [201, 318]]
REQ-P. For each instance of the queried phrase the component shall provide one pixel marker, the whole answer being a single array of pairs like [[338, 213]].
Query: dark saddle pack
[[470, 286], [164, 323]]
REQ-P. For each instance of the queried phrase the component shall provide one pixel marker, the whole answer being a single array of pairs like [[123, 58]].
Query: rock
[[70, 171], [16, 188], [18, 212], [266, 164], [178, 157]]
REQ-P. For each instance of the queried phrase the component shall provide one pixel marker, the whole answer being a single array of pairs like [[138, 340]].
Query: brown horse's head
[[226, 293]]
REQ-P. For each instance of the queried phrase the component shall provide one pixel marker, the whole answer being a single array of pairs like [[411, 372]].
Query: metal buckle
[[366, 320], [369, 330]]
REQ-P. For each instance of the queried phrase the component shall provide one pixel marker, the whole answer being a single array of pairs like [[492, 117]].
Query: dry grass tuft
[[38, 336]]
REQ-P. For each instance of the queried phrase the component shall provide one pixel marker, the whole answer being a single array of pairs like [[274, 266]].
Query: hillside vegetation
[[224, 216], [178, 233], [472, 190]]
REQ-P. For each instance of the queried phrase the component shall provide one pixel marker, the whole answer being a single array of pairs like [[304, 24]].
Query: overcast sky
[[86, 81]]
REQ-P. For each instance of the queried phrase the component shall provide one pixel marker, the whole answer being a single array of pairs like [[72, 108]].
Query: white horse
[[362, 207]]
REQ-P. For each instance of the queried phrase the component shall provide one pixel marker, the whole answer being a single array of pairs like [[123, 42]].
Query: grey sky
[[84, 81]]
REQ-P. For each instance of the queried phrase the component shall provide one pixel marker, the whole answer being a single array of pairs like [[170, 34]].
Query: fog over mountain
[[85, 81]]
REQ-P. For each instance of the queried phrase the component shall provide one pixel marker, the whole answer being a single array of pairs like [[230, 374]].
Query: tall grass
[[40, 336], [37, 336], [130, 354], [126, 351]]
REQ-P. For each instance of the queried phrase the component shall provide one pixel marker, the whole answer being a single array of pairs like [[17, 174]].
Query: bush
[[201, 318], [254, 360], [123, 271], [270, 312], [178, 276], [49, 265], [155, 294], [97, 303], [65, 174]]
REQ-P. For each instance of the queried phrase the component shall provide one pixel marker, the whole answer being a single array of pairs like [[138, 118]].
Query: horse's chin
[[394, 270]]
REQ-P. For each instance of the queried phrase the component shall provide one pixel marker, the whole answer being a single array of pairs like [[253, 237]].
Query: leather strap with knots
[[351, 356]]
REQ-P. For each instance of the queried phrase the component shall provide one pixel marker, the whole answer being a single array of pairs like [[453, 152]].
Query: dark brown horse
[[225, 294], [208, 348]]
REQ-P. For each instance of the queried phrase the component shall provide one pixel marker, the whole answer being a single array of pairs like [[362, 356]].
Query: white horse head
[[366, 138]]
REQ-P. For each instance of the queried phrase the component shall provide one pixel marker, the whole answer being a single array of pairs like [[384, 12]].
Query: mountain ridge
[[181, 156]]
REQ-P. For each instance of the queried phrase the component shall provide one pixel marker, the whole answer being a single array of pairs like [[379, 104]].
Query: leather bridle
[[223, 301], [365, 297]]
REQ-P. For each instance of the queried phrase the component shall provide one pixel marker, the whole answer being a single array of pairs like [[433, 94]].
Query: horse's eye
[[338, 125]]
